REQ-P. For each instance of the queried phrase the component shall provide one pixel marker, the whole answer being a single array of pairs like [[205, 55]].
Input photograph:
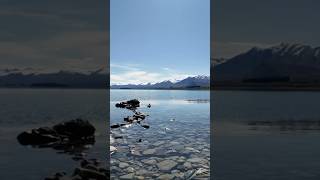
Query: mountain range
[[63, 79], [97, 79], [284, 63], [189, 82]]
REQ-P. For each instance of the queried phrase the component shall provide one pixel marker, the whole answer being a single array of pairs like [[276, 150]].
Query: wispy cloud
[[124, 67], [136, 75]]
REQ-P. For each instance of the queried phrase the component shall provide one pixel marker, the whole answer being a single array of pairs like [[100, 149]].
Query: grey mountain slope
[[297, 63], [61, 79]]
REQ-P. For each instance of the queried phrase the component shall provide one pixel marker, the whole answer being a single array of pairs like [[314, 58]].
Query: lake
[[266, 135], [177, 144], [24, 109]]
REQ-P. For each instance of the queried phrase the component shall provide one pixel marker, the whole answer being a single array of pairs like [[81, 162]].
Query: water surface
[[254, 137], [24, 109], [177, 143]]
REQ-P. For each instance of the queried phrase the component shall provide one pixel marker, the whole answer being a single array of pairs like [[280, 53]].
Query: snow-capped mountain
[[201, 81], [189, 82], [281, 63]]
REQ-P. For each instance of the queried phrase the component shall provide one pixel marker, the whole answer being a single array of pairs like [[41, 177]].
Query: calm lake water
[[255, 137], [23, 109], [177, 144]]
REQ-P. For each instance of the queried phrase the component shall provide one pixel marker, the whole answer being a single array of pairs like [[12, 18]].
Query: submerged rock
[[127, 176], [149, 151], [123, 165], [166, 177], [166, 165], [149, 161], [145, 126]]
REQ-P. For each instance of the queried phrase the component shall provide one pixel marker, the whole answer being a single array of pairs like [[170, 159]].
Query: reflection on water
[[175, 146], [266, 135], [286, 125]]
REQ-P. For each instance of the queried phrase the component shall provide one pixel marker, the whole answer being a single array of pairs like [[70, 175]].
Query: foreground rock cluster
[[138, 117], [71, 137], [131, 104], [66, 133]]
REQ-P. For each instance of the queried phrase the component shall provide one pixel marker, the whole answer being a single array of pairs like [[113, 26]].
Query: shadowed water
[[24, 109], [266, 135]]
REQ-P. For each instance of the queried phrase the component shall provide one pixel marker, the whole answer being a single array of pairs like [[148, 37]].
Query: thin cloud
[[138, 76], [123, 67]]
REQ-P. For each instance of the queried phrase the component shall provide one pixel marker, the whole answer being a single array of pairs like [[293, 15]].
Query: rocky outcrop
[[63, 136], [71, 137], [138, 117], [131, 104]]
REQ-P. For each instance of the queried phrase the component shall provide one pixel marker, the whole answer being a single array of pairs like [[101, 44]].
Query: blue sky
[[155, 40]]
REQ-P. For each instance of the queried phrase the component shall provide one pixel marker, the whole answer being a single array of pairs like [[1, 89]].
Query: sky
[[156, 40], [49, 36], [237, 26]]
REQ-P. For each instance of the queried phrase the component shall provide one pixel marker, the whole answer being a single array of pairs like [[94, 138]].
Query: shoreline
[[264, 88]]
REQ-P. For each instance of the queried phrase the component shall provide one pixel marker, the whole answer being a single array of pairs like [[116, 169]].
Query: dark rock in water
[[134, 103], [128, 119], [36, 138], [145, 126], [139, 116], [131, 104], [115, 126], [75, 129], [149, 106], [121, 105], [118, 137], [70, 137]]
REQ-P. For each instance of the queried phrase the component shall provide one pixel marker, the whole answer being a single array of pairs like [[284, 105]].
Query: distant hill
[[287, 64], [61, 79], [195, 82]]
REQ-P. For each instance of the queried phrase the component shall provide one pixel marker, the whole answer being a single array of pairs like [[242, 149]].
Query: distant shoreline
[[191, 89], [29, 87], [102, 88], [267, 87]]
